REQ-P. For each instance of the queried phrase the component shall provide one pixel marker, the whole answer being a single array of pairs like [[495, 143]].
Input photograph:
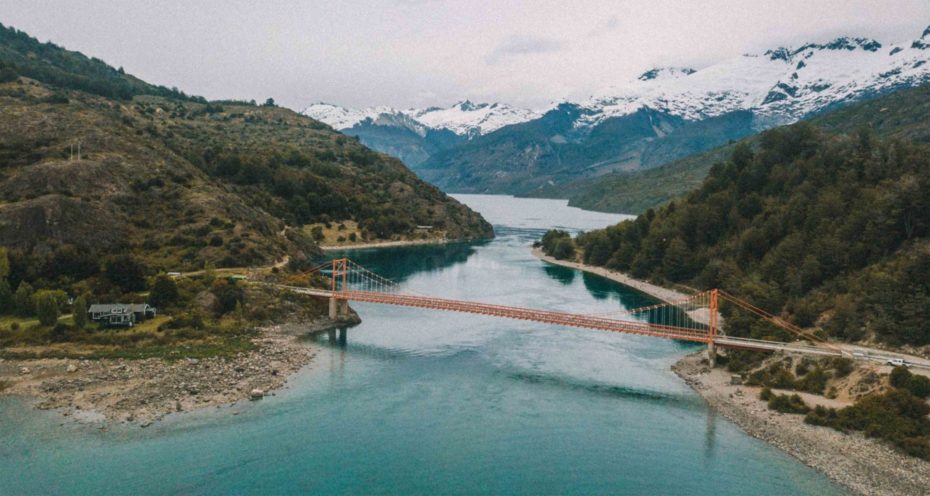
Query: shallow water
[[426, 402]]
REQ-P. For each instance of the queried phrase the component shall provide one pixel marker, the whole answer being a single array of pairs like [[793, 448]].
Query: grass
[[150, 339]]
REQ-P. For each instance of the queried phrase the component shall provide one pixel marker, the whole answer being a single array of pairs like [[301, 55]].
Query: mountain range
[[664, 114]]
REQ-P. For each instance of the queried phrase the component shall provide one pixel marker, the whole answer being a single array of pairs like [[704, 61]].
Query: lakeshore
[[864, 466], [663, 294], [107, 391]]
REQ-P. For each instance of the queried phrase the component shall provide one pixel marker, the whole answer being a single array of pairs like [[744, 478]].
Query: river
[[426, 402]]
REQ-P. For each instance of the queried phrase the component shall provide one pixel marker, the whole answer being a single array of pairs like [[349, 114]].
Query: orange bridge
[[695, 318]]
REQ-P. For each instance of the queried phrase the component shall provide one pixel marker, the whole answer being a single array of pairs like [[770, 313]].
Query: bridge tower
[[712, 331]]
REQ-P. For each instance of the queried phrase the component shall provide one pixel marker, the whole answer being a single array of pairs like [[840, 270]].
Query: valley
[[690, 256]]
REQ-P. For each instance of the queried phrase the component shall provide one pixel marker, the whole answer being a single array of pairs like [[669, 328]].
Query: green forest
[[829, 230]]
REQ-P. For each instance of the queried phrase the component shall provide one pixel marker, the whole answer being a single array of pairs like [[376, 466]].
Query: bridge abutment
[[338, 308]]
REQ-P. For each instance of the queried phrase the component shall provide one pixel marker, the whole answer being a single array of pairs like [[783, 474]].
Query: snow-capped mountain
[[343, 118], [669, 113], [664, 114], [783, 84], [467, 118], [464, 118]]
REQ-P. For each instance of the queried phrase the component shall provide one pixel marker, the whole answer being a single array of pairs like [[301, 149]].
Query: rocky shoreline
[[863, 466], [144, 391]]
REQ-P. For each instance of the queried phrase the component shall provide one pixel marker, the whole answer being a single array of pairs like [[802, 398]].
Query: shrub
[[765, 394], [47, 308], [788, 404], [917, 385], [842, 365], [814, 381], [896, 416], [164, 291]]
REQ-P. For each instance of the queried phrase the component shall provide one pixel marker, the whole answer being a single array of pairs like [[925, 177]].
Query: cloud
[[521, 45], [610, 25]]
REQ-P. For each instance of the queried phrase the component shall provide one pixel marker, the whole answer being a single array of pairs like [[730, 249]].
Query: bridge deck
[[585, 321]]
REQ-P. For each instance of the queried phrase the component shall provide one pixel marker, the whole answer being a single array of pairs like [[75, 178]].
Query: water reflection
[[562, 274], [602, 288], [400, 263]]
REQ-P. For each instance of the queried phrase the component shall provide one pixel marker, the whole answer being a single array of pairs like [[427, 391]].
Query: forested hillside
[[832, 231], [176, 182], [901, 114]]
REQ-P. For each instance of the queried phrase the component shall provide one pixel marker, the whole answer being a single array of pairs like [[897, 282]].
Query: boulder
[[256, 394]]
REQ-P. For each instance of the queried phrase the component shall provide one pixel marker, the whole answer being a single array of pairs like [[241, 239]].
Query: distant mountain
[[669, 113], [898, 115], [413, 135]]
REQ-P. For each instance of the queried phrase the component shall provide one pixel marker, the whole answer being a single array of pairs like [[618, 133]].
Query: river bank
[[144, 391], [864, 466], [661, 293]]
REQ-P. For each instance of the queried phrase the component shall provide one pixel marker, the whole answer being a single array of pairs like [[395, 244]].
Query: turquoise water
[[424, 402]]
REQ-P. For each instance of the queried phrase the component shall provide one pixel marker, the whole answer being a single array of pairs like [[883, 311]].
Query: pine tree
[[22, 300], [79, 312], [7, 305]]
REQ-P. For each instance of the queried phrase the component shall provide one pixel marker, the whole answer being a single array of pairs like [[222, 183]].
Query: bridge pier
[[338, 308], [712, 354]]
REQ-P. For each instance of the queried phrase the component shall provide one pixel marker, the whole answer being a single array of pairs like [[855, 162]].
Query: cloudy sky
[[408, 53]]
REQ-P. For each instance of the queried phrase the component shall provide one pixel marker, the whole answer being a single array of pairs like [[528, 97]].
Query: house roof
[[118, 307]]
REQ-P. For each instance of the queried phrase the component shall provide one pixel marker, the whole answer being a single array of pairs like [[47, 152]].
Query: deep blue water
[[424, 402]]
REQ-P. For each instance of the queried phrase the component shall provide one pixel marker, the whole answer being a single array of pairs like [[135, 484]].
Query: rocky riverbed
[[864, 466], [144, 391]]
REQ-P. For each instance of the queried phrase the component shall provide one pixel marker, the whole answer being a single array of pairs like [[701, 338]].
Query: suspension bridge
[[693, 319]]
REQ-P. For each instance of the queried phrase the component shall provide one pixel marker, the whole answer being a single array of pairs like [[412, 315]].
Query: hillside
[[178, 182], [831, 231], [901, 114]]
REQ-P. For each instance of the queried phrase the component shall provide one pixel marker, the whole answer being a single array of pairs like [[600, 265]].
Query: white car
[[897, 362]]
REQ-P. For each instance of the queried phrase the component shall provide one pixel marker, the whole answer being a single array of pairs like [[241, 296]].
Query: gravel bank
[[144, 391], [864, 466]]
